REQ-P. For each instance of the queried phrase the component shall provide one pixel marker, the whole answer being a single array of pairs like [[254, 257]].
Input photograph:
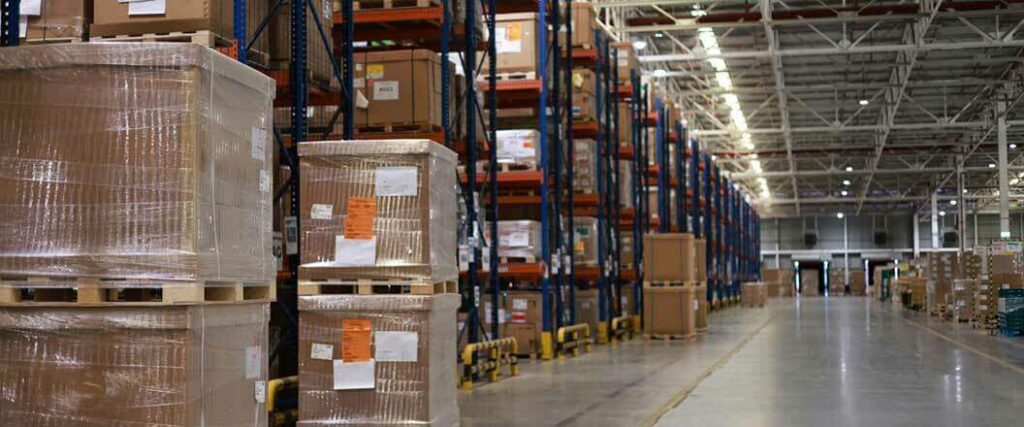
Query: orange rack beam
[[513, 179], [318, 96], [584, 130], [409, 23], [516, 93]]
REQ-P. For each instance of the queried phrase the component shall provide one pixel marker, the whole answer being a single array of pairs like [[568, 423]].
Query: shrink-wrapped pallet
[[134, 161], [378, 210]]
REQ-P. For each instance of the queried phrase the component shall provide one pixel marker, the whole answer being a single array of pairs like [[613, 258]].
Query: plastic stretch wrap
[[626, 184], [518, 147], [406, 222], [584, 172], [586, 240], [57, 19], [131, 160], [410, 360], [124, 365], [517, 238]]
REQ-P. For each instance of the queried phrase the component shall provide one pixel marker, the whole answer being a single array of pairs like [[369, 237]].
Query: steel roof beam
[[821, 51]]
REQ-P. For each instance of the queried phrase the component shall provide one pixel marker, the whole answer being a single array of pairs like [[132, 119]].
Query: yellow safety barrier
[[488, 357], [602, 333], [275, 386], [547, 346], [622, 328], [572, 338]]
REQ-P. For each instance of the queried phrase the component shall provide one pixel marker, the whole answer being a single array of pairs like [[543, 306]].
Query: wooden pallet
[[668, 284], [53, 40], [671, 337], [516, 75], [102, 291], [201, 37], [517, 259], [388, 130], [374, 287], [392, 4]]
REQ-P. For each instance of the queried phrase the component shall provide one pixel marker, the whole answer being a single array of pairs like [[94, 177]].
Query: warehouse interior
[[511, 212]]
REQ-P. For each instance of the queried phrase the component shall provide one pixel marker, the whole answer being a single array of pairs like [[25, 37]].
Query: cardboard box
[[809, 282], [1003, 264], [115, 17], [626, 255], [626, 301], [669, 257], [405, 224], [400, 352], [753, 294], [584, 107], [700, 250], [58, 19], [772, 289], [133, 365], [670, 310], [160, 168], [584, 22], [703, 307], [584, 81], [403, 87], [516, 38], [524, 323], [858, 287], [627, 61], [585, 240], [587, 309], [318, 56], [519, 239]]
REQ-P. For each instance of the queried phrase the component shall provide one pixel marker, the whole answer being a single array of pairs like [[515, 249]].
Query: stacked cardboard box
[[809, 282], [118, 273], [517, 239], [670, 295], [585, 240], [703, 307], [753, 294], [670, 311], [961, 301], [837, 282], [402, 89], [519, 317], [377, 336], [858, 287], [670, 257]]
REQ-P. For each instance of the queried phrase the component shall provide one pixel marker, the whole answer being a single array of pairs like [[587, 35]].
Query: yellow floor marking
[[1001, 362], [678, 398]]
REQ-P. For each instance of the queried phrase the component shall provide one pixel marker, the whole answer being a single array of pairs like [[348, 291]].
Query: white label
[[396, 181], [30, 7], [696, 305], [321, 351], [264, 181], [354, 375], [22, 26], [385, 90], [150, 7], [516, 148], [321, 211], [518, 239], [355, 253], [253, 362], [519, 304], [326, 8], [359, 83], [259, 144], [291, 235], [260, 391], [395, 346]]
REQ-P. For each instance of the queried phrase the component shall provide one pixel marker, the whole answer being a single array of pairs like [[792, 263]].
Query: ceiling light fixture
[[849, 168], [846, 182], [640, 44], [840, 215], [952, 202], [863, 102], [844, 193], [991, 165], [942, 213]]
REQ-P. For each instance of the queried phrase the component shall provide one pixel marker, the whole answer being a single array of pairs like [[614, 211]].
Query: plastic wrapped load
[[377, 360], [585, 240], [132, 160], [381, 210], [517, 238], [55, 20], [133, 365], [584, 172], [518, 148]]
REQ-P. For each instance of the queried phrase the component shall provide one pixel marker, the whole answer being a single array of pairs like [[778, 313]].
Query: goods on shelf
[[670, 311], [753, 294], [112, 18], [517, 239], [170, 199], [585, 250], [56, 20], [517, 149], [519, 317], [516, 38], [626, 184], [837, 281], [584, 19], [584, 107], [318, 56], [584, 170], [961, 301], [380, 210], [378, 359], [626, 255], [132, 365], [669, 257], [587, 309], [584, 81], [625, 128], [627, 61], [402, 90]]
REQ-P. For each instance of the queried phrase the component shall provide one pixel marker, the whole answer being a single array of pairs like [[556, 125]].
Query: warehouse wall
[[785, 236]]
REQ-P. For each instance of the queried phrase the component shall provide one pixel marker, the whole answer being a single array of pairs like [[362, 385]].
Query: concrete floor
[[838, 362]]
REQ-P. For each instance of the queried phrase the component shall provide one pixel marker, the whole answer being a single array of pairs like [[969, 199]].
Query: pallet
[[53, 40], [671, 337], [389, 129], [517, 260], [201, 37], [90, 290], [668, 284], [372, 287], [392, 4], [515, 76]]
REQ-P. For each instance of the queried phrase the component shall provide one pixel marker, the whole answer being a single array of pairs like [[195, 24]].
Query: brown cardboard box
[[525, 324], [627, 61], [412, 226], [318, 56], [587, 309], [753, 294], [625, 125], [703, 307], [516, 36], [584, 81], [669, 310], [59, 19], [133, 365], [626, 300], [772, 289], [700, 251], [584, 108], [1003, 264], [411, 342], [809, 282], [857, 285], [403, 87], [111, 18], [584, 21], [669, 257], [160, 166]]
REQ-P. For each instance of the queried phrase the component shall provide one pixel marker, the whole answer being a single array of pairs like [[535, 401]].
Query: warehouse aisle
[[842, 361]]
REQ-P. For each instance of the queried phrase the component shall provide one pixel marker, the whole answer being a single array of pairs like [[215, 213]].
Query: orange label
[[355, 340], [359, 222]]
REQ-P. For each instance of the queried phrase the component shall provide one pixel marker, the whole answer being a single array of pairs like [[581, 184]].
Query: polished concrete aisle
[[838, 362]]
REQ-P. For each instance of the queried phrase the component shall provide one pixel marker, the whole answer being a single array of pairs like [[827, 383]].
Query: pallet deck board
[[112, 291], [369, 287]]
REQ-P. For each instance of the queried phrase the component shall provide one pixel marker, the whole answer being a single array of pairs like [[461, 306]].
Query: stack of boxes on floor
[[778, 282], [137, 249], [670, 297], [943, 268], [809, 282], [377, 305]]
